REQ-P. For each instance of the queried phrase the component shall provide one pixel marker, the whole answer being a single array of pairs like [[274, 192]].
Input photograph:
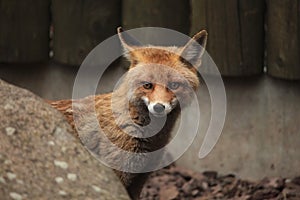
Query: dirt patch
[[178, 183]]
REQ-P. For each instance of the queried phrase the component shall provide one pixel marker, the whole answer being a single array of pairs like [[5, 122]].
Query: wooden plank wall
[[241, 32], [283, 38], [80, 25], [236, 34], [24, 31], [173, 14]]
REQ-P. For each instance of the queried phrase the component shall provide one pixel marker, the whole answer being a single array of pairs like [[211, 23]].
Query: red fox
[[158, 84]]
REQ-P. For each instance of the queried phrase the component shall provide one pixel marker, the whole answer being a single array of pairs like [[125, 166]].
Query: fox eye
[[174, 85], [147, 85]]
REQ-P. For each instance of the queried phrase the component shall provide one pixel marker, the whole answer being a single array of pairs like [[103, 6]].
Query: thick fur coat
[[158, 76]]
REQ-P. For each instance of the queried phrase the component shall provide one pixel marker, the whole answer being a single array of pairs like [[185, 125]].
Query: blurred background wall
[[255, 44]]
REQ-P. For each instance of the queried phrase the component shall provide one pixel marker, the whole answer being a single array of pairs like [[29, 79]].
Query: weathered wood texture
[[24, 30], [283, 38], [80, 25], [235, 33], [173, 14]]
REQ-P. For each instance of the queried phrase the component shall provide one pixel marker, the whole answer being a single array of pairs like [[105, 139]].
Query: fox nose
[[159, 108]]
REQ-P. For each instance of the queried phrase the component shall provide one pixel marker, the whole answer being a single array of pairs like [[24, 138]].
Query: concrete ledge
[[261, 135]]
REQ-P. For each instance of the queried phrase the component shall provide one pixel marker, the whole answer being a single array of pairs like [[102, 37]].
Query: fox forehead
[[160, 65], [155, 73], [156, 54], [161, 74]]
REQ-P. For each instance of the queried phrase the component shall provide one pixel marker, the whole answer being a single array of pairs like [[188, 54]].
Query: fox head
[[162, 78]]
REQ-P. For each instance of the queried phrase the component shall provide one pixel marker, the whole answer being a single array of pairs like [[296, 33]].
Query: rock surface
[[39, 157]]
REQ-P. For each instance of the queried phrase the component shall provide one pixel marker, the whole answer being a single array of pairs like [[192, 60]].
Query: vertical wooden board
[[80, 25], [24, 30], [173, 14], [252, 34], [198, 16], [233, 49], [283, 39], [235, 65], [217, 42]]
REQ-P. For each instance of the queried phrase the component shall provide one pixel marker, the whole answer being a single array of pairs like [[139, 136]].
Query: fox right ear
[[129, 43], [194, 49]]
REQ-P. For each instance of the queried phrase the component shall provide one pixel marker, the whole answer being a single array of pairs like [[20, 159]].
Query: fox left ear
[[192, 52], [128, 42]]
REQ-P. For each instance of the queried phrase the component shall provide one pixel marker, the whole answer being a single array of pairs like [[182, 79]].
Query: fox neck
[[132, 116], [139, 113]]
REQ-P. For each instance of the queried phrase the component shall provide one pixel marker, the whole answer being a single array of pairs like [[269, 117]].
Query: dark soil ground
[[178, 183]]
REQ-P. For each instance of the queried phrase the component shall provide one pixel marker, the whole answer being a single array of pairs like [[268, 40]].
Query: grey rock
[[41, 159]]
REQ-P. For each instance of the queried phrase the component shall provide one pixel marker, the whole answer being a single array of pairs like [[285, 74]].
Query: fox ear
[[194, 49], [128, 42]]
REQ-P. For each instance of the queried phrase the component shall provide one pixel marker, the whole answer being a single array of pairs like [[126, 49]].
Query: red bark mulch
[[177, 183]]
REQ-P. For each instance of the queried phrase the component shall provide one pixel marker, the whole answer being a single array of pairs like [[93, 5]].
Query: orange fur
[[158, 65]]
